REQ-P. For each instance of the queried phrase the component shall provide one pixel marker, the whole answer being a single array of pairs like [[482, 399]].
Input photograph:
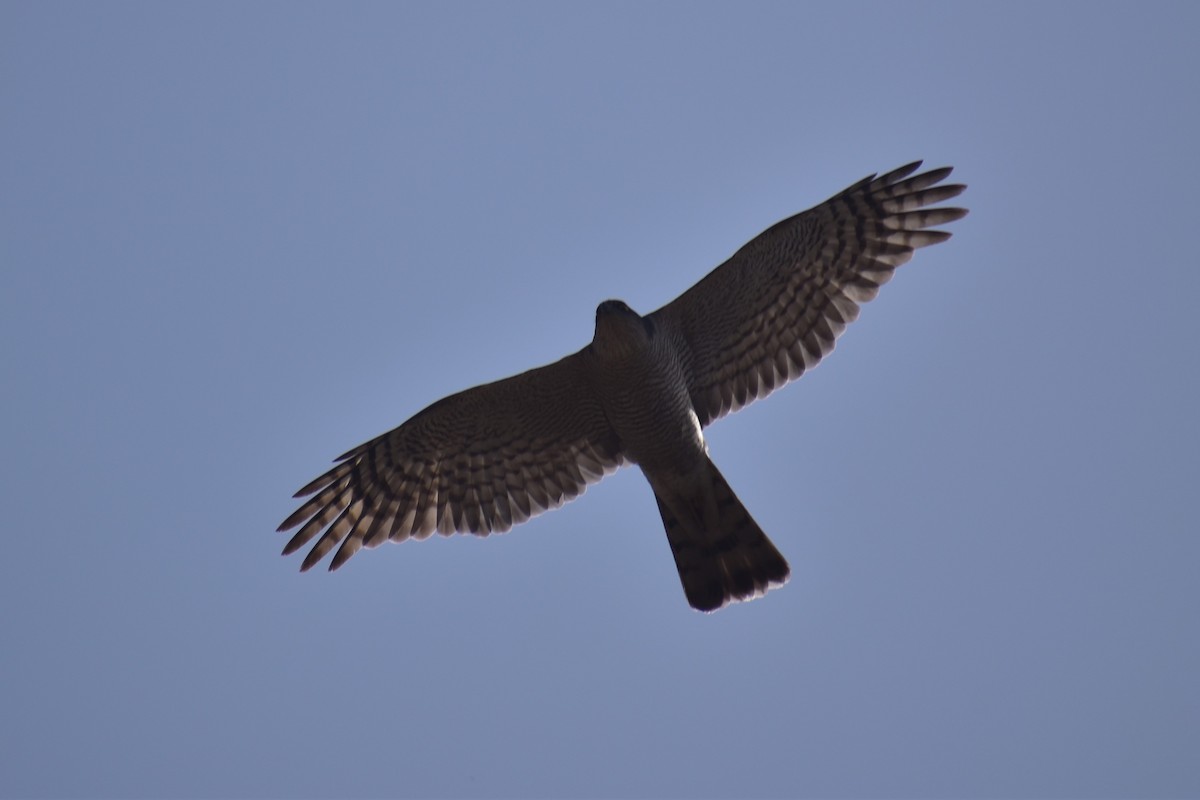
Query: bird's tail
[[721, 553]]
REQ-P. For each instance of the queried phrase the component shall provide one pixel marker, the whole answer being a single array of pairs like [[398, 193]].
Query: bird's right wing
[[478, 461], [774, 309]]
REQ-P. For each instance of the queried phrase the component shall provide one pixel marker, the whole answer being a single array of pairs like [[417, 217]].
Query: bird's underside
[[490, 457]]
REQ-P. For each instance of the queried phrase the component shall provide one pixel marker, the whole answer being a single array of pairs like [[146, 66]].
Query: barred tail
[[721, 553]]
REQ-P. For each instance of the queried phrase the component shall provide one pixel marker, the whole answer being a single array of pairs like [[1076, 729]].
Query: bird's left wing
[[776, 306], [478, 461]]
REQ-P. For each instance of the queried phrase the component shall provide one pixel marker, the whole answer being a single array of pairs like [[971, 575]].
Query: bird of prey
[[641, 392]]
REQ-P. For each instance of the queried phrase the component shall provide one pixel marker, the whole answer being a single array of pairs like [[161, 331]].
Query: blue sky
[[238, 239]]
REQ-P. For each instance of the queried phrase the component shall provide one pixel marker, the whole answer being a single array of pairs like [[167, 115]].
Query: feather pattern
[[777, 306], [479, 461]]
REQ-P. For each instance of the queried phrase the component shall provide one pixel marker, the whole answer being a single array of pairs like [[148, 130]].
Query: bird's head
[[619, 329]]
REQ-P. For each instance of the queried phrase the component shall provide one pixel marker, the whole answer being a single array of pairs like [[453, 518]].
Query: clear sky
[[238, 239]]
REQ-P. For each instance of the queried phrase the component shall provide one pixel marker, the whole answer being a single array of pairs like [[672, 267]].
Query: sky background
[[238, 239]]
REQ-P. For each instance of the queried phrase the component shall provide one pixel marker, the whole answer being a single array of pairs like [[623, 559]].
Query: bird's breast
[[645, 396]]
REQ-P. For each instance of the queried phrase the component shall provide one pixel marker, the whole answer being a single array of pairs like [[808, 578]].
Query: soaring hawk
[[641, 392]]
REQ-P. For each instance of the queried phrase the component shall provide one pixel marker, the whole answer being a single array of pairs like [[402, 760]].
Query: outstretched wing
[[775, 308], [478, 461]]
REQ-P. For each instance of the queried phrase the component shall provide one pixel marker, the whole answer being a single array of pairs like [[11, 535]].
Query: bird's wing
[[776, 306], [478, 461]]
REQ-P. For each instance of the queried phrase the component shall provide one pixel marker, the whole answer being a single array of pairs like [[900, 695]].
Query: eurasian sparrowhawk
[[490, 457]]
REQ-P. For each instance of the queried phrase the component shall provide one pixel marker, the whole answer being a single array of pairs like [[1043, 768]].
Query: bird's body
[[490, 457], [643, 391], [719, 550]]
